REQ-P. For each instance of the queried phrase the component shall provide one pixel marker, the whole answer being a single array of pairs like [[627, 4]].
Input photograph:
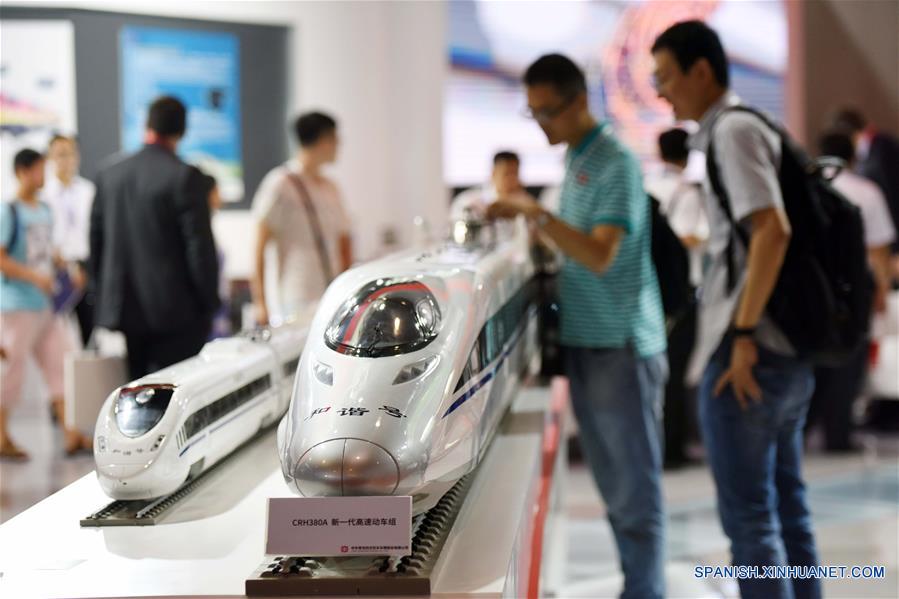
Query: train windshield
[[385, 318], [139, 409]]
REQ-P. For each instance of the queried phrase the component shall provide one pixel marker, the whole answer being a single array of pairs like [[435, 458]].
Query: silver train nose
[[346, 467]]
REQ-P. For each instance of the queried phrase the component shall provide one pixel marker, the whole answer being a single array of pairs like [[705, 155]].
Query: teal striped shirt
[[602, 186]]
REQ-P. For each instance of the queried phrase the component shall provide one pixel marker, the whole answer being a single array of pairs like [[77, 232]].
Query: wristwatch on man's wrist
[[743, 332], [542, 219]]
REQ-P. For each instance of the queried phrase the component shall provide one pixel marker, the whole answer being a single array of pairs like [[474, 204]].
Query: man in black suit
[[877, 154], [153, 261]]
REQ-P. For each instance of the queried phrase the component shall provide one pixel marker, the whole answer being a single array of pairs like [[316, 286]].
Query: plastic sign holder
[[339, 526]]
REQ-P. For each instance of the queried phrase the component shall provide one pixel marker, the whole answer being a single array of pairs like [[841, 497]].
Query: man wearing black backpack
[[755, 390]]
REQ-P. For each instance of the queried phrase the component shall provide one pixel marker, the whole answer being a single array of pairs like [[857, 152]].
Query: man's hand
[[79, 277], [43, 282], [744, 356], [512, 206]]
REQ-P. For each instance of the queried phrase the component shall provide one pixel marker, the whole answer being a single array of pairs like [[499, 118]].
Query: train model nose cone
[[319, 471], [346, 467]]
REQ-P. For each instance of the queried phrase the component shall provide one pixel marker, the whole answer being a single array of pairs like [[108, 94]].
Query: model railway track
[[367, 575], [151, 511]]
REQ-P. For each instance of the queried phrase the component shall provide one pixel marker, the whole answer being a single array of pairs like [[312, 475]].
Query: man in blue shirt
[[612, 324]]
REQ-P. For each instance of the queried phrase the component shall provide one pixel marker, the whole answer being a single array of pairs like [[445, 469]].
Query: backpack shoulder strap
[[14, 219], [721, 193]]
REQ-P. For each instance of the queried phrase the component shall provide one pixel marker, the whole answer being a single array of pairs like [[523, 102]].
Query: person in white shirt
[[472, 204], [70, 197], [837, 388], [681, 202], [300, 210], [864, 193], [504, 182], [681, 199]]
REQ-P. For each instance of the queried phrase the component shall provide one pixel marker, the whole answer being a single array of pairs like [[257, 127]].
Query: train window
[[139, 409], [464, 378], [290, 367], [385, 318], [474, 360], [482, 348]]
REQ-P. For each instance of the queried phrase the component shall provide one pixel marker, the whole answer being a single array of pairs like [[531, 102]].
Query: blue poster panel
[[200, 68]]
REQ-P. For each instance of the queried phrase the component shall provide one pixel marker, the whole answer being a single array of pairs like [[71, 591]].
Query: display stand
[[211, 543]]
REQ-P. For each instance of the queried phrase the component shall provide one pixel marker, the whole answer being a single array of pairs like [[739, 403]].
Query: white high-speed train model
[[410, 364], [158, 432]]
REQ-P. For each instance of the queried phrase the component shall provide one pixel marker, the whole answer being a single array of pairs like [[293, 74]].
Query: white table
[[212, 541]]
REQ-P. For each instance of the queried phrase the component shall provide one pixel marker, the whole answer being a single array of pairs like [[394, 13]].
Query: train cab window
[[385, 318], [139, 409]]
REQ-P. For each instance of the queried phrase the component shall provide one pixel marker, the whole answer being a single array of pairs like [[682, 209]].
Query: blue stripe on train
[[490, 373]]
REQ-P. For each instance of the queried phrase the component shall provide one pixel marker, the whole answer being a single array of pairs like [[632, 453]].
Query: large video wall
[[491, 44]]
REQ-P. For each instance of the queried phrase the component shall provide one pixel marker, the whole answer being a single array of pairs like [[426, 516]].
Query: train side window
[[482, 347], [487, 342], [465, 377], [189, 427], [474, 359]]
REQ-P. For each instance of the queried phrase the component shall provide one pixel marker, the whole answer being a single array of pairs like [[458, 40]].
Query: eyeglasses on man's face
[[544, 115]]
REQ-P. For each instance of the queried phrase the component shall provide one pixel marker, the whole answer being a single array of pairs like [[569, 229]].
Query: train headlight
[[324, 373], [415, 370], [139, 409]]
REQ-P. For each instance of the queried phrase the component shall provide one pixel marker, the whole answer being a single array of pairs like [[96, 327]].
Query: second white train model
[[411, 362], [160, 431]]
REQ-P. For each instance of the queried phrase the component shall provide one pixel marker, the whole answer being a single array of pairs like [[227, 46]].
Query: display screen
[[202, 69], [492, 43]]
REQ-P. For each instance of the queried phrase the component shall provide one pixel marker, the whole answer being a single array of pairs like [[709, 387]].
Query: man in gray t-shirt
[[754, 393]]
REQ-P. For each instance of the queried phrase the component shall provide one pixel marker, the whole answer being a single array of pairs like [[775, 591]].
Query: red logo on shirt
[[344, 549], [582, 178]]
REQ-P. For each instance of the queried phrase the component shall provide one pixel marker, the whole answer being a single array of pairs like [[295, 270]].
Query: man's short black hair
[[312, 126], [689, 41], [673, 145], [167, 117], [838, 143], [560, 72], [850, 119], [26, 159], [505, 156]]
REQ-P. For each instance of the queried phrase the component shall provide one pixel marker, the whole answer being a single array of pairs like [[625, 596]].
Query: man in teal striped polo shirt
[[611, 315]]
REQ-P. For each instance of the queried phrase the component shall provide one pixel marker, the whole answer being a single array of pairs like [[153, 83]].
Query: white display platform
[[214, 540]]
